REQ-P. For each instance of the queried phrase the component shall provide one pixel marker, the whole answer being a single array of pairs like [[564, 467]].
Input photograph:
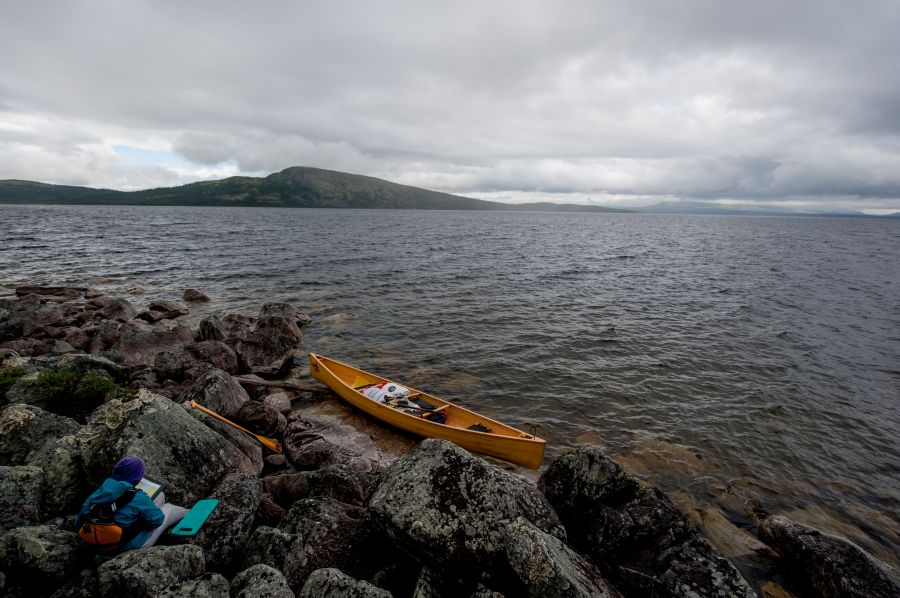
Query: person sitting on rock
[[118, 517]]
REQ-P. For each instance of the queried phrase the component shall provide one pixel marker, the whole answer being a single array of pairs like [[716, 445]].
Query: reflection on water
[[739, 361]]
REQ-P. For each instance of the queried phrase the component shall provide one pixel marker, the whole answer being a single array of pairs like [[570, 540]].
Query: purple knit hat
[[130, 469]]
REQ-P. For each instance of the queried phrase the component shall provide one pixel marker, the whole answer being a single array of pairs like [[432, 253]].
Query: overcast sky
[[790, 104]]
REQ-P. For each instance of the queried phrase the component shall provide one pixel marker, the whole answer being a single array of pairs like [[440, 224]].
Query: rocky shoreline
[[348, 510]]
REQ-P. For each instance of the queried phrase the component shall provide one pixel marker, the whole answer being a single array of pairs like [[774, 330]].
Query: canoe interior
[[457, 417]]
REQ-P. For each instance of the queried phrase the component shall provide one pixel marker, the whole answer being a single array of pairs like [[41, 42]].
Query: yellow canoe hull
[[503, 442]]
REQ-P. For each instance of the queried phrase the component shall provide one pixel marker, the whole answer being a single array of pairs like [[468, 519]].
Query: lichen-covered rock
[[636, 536], [328, 534], [446, 505], [41, 556], [24, 428], [210, 585], [260, 581], [172, 364], [225, 533], [64, 489], [583, 480], [547, 568], [268, 512], [148, 571], [261, 419], [334, 583], [267, 546], [218, 391], [82, 585], [20, 496], [338, 482], [237, 325], [242, 442], [824, 565], [189, 457], [83, 363], [484, 592]]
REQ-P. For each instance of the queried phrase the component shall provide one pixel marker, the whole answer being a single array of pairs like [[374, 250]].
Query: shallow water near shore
[[751, 364]]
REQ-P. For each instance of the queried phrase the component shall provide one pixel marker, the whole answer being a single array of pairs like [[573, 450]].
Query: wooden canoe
[[502, 441]]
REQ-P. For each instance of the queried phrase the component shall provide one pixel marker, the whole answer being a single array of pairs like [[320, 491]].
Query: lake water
[[745, 363]]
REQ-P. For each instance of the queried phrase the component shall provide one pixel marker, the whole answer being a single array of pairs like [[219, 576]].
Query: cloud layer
[[632, 103]]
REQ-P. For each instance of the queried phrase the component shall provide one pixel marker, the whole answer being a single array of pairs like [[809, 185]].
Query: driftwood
[[286, 384]]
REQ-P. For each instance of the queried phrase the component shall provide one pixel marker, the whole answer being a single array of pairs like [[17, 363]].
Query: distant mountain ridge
[[295, 187]]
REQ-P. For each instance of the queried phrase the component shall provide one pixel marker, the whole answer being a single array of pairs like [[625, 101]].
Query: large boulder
[[265, 352], [63, 481], [268, 546], [172, 364], [636, 536], [446, 505], [260, 581], [20, 496], [245, 443], [215, 353], [41, 557], [280, 401], [24, 428], [335, 583], [226, 531], [547, 568], [64, 390], [824, 565], [148, 571], [219, 392], [189, 457], [237, 325], [328, 534], [140, 347]]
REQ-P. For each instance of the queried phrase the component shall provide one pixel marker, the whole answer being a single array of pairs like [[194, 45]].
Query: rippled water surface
[[741, 361]]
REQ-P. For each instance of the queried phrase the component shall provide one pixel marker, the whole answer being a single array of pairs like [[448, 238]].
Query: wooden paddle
[[270, 443]]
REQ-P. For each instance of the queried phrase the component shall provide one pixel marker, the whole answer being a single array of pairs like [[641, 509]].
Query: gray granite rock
[[146, 572], [210, 585], [333, 583], [41, 556], [24, 428], [260, 581], [180, 451], [218, 391], [547, 568], [824, 565], [20, 496], [224, 535], [445, 505]]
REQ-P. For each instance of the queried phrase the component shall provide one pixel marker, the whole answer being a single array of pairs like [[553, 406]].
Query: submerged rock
[[446, 505], [194, 295], [825, 565]]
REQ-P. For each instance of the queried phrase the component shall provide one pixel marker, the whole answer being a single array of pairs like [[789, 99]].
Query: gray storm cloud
[[757, 102]]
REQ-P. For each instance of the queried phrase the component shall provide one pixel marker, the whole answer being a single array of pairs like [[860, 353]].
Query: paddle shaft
[[269, 443]]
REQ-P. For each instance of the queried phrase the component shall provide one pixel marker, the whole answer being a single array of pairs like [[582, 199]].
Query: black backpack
[[99, 528]]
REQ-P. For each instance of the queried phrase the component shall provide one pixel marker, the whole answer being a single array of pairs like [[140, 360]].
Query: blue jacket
[[141, 511]]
